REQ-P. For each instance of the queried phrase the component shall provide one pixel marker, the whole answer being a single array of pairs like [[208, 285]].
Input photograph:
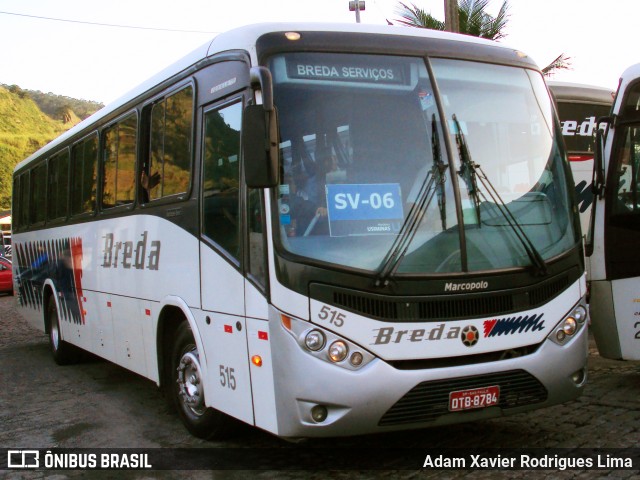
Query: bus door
[[622, 229], [222, 281]]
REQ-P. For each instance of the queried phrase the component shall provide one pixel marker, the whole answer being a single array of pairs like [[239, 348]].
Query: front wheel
[[187, 390], [63, 353]]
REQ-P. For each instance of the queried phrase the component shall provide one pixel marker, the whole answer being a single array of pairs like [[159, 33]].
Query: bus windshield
[[370, 182]]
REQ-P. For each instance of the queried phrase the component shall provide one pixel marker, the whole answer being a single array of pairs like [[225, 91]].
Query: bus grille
[[429, 400], [436, 308]]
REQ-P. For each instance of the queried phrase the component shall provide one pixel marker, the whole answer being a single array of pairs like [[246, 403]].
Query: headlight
[[571, 324], [580, 314], [338, 351], [326, 345], [314, 340]]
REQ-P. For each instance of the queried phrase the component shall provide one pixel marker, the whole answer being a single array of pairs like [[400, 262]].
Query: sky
[[101, 63]]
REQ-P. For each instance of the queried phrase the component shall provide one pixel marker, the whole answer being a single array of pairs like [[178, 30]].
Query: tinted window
[[221, 177], [24, 199], [119, 163], [84, 166], [170, 145], [15, 205], [627, 173], [579, 125], [58, 192], [38, 193]]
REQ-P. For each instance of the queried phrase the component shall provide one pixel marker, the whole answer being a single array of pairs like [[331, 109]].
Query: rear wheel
[[63, 353], [187, 389]]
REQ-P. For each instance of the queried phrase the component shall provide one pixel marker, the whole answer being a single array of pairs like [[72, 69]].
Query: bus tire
[[187, 391], [63, 353]]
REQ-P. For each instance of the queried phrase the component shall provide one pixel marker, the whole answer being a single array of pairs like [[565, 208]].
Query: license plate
[[474, 398]]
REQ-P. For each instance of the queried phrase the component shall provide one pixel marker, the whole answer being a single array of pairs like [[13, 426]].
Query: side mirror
[[260, 134], [597, 183]]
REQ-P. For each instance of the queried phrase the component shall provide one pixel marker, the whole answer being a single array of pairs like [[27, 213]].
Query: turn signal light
[[256, 360]]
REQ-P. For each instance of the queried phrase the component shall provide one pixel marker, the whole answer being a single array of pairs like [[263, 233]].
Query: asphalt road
[[96, 404]]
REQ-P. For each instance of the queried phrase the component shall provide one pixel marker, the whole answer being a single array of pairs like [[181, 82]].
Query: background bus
[[579, 106], [615, 267], [397, 247]]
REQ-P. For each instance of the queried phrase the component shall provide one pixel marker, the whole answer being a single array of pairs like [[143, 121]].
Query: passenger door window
[[221, 180]]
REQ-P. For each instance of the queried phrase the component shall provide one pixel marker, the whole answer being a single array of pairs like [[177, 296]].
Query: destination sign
[[370, 209], [347, 70]]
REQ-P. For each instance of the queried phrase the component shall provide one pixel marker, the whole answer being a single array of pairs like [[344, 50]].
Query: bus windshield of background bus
[[362, 142], [579, 127]]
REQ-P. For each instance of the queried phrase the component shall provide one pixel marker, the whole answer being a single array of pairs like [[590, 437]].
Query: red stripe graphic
[[488, 326], [76, 259]]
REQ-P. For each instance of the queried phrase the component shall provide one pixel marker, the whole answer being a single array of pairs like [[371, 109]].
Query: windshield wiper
[[467, 168], [442, 169], [434, 180], [469, 171]]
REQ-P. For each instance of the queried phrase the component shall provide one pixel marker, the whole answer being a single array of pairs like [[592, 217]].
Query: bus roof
[[245, 38], [578, 92]]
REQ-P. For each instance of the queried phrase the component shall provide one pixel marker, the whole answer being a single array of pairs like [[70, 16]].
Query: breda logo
[[469, 336]]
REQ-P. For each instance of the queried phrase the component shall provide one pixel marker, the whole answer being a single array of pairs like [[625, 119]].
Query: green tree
[[474, 20]]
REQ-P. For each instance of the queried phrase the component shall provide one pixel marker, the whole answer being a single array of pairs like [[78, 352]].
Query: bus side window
[[38, 201], [118, 163], [168, 168], [221, 179], [58, 190], [626, 174], [84, 164]]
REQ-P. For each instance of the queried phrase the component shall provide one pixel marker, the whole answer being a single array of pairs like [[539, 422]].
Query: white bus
[[615, 233], [579, 106], [320, 230]]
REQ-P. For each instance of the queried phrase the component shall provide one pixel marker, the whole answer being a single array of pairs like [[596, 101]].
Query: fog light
[[319, 413], [580, 314], [560, 335], [579, 377], [356, 359], [314, 340], [570, 326], [338, 351]]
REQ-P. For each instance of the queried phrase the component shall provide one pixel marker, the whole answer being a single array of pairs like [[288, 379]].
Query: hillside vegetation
[[28, 121]]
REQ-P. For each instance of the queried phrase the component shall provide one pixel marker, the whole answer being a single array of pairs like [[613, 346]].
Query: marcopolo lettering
[[124, 254], [465, 287], [509, 326]]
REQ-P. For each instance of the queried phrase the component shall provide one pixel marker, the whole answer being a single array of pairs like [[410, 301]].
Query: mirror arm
[[261, 80]]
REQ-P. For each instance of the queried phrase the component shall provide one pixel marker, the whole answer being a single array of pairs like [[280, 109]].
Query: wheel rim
[[190, 383], [54, 329]]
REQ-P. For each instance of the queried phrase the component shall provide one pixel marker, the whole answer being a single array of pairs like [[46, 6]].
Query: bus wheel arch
[[182, 376], [63, 353]]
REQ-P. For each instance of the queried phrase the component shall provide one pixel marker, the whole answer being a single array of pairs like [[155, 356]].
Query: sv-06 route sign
[[364, 209]]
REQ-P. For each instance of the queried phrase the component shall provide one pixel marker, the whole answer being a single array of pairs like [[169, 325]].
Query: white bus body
[[615, 299], [414, 297]]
